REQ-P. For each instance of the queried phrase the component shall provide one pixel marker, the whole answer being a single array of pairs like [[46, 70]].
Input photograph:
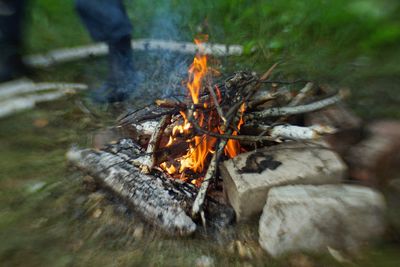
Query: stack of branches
[[270, 111]]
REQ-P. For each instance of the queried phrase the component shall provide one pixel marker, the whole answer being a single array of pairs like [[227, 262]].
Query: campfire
[[199, 117], [176, 145]]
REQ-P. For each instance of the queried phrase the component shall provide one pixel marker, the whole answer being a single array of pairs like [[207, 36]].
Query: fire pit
[[166, 165]]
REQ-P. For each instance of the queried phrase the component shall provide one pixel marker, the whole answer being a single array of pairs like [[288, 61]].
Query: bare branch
[[285, 111], [150, 158], [215, 100]]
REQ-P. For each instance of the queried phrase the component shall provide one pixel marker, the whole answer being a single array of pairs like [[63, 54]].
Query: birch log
[[24, 86], [13, 105], [299, 133], [152, 195], [100, 49]]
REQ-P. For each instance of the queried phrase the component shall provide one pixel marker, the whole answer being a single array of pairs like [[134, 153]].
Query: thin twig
[[215, 100], [284, 111], [266, 75], [301, 95], [154, 143]]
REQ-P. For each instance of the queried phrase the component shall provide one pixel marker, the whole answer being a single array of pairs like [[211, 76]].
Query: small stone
[[349, 127], [313, 218], [249, 176], [243, 251], [97, 213], [204, 261], [40, 123], [375, 159], [138, 232]]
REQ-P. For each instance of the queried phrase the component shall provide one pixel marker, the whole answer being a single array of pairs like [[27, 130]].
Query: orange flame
[[232, 148], [199, 147], [197, 71]]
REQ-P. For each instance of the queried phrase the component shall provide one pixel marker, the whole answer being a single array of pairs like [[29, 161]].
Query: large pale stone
[[300, 163], [313, 218]]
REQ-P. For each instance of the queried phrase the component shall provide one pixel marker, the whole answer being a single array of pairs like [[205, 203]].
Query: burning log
[[153, 196], [150, 159], [161, 201]]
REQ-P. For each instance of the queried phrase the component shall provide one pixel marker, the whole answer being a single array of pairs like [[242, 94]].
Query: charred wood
[[153, 196]]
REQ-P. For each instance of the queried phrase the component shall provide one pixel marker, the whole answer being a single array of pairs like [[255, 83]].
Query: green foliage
[[316, 37]]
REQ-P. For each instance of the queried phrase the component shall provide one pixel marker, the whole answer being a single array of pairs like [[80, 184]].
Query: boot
[[122, 80]]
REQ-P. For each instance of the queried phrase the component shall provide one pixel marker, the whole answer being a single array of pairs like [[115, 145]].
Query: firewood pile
[[166, 162]]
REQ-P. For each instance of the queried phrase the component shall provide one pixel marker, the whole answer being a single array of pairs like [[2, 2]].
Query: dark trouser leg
[[107, 21], [11, 16]]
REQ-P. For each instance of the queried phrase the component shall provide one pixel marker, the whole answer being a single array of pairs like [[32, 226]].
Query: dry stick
[[284, 111], [199, 201], [249, 138], [263, 100], [287, 131], [301, 95], [165, 103], [298, 99], [214, 98], [299, 133], [268, 73], [150, 160]]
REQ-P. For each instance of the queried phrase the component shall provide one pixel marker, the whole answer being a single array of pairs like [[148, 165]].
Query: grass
[[47, 218]]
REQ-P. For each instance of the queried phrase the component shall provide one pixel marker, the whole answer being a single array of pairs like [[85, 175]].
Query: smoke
[[166, 70]]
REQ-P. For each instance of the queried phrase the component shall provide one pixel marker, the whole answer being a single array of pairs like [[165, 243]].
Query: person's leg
[[107, 21], [11, 19]]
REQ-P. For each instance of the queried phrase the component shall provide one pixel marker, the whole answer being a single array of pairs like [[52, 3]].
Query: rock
[[375, 159], [97, 213], [249, 176], [349, 126], [392, 193], [311, 218]]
